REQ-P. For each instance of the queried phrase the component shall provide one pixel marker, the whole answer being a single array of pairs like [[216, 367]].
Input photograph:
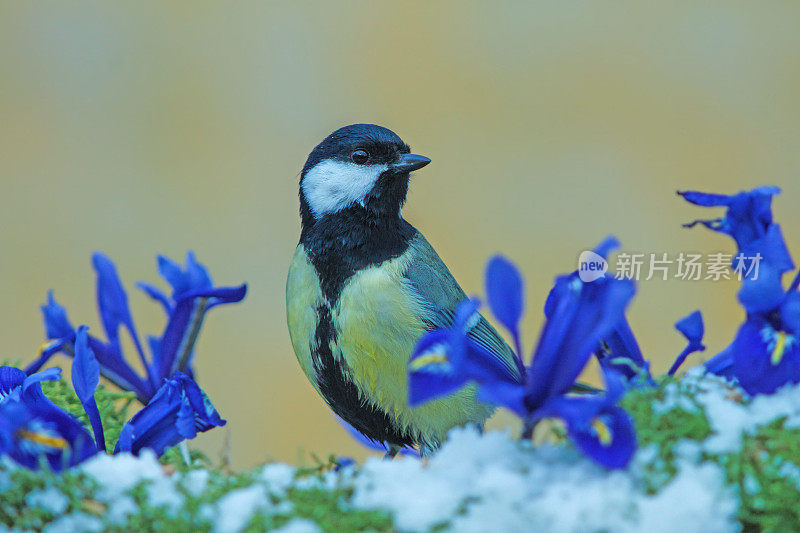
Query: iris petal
[[583, 314], [427, 384], [431, 369], [193, 277], [27, 435], [691, 326], [114, 368], [112, 301], [765, 359], [614, 446], [722, 363], [504, 292], [156, 294], [505, 394], [444, 360], [790, 314], [85, 368], [56, 323], [762, 289], [601, 430], [85, 378]]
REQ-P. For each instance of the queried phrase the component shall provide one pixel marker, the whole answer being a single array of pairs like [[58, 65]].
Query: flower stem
[[679, 361], [518, 359], [187, 344], [527, 431]]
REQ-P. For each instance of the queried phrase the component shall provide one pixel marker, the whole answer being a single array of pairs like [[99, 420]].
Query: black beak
[[409, 162]]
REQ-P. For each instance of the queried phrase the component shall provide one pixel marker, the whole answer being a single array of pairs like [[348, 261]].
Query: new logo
[[591, 266]]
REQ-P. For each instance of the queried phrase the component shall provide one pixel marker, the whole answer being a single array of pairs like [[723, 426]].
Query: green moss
[[14, 509], [663, 428], [767, 476], [325, 508], [328, 508]]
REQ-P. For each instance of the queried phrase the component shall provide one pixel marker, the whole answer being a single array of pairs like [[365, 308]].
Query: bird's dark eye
[[360, 157]]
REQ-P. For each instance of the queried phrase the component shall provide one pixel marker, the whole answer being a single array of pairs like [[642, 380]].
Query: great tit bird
[[363, 287]]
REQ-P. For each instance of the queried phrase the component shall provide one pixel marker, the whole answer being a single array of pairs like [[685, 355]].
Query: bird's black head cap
[[362, 167], [382, 144]]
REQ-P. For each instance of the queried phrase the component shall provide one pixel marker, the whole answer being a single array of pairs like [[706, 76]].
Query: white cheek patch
[[331, 186]]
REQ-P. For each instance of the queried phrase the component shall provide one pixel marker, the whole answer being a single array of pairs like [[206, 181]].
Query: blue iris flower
[[598, 426], [193, 294], [31, 437], [14, 382], [618, 350], [691, 326], [748, 221], [33, 428], [748, 216], [765, 355], [178, 411], [444, 360], [579, 316]]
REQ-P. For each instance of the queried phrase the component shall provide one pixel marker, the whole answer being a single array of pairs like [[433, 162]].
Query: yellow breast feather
[[378, 320], [303, 297]]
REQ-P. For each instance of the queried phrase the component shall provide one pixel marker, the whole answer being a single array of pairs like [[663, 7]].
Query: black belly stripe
[[338, 246], [341, 393]]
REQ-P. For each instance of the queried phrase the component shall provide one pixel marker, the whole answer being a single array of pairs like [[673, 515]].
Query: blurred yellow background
[[147, 130]]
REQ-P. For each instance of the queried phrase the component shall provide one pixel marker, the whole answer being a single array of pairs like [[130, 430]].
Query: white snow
[[235, 509], [161, 492], [696, 500], [75, 523], [50, 499], [491, 483], [278, 477], [119, 473], [120, 508], [308, 483], [299, 525], [195, 482], [731, 418], [791, 472]]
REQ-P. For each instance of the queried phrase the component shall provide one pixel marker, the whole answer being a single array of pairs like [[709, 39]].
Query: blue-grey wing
[[439, 292]]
